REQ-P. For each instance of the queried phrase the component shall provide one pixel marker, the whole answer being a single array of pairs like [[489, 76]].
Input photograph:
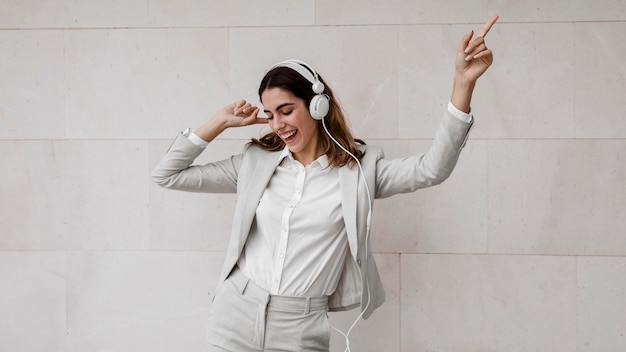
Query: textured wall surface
[[522, 249]]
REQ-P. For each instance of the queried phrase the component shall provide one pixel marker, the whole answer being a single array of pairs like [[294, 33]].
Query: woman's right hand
[[238, 114]]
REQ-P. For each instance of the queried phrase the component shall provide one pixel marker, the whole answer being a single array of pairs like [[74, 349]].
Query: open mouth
[[289, 136]]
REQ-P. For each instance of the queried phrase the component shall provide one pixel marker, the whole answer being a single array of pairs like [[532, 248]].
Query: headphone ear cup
[[320, 104]]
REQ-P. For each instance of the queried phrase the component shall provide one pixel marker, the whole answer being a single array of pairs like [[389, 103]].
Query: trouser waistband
[[245, 286]]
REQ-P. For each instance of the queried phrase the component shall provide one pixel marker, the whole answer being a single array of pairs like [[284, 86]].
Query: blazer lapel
[[252, 182], [348, 183], [255, 184]]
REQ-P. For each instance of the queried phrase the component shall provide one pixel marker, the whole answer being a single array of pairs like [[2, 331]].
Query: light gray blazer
[[248, 174]]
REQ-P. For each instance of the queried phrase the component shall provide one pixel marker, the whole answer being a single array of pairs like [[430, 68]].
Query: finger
[[476, 42], [466, 40], [484, 53], [244, 108], [253, 118], [239, 103], [475, 51], [239, 106], [249, 111], [483, 32], [258, 119]]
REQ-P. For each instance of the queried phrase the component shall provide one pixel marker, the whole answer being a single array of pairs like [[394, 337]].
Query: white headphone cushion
[[320, 104]]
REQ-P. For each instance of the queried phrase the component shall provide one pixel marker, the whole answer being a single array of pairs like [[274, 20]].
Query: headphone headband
[[320, 104], [301, 67]]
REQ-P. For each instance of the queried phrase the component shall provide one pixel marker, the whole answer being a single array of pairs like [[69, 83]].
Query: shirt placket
[[279, 260]]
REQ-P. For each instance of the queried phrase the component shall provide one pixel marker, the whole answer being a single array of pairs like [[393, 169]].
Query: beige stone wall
[[522, 249]]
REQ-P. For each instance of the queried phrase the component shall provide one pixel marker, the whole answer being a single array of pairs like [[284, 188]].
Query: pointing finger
[[483, 32]]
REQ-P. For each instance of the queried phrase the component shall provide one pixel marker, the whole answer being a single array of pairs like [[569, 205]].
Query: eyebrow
[[279, 107]]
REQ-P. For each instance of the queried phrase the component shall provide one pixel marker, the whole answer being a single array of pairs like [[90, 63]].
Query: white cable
[[367, 234]]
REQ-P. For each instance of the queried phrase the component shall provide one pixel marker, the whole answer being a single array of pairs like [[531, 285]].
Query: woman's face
[[289, 118]]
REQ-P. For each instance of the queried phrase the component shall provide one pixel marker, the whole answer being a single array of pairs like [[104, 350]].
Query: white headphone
[[320, 104]]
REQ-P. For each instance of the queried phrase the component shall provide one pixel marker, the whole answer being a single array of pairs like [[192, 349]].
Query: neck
[[307, 157], [305, 160]]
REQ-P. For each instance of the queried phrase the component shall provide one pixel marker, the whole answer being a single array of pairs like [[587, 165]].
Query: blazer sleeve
[[175, 170], [427, 169]]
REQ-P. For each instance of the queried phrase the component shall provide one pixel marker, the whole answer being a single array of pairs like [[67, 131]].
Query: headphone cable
[[368, 227]]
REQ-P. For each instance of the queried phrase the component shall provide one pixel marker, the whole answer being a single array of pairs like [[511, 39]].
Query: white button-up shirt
[[297, 243]]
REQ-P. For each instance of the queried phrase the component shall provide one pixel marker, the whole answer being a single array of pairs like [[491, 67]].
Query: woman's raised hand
[[473, 57], [239, 113]]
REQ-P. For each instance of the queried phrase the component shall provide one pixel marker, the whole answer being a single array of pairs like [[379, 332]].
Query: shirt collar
[[322, 160]]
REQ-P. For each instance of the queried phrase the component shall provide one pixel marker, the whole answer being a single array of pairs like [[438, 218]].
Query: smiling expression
[[289, 118]]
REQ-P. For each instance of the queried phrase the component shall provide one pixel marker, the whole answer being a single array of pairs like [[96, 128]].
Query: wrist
[[462, 90], [211, 129]]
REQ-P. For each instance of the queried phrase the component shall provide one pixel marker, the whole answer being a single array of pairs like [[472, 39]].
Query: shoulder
[[251, 148], [368, 147], [371, 152], [253, 153]]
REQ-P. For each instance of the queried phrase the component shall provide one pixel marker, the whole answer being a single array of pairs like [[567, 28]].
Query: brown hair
[[290, 80]]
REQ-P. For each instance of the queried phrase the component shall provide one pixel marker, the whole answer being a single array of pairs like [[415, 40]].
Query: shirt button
[[358, 262]]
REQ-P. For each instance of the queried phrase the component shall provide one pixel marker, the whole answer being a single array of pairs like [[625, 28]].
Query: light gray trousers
[[244, 317]]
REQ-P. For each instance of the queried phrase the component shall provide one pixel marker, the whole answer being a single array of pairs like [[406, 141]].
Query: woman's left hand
[[473, 57]]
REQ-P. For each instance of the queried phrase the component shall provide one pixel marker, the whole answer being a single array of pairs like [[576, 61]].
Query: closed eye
[[284, 109]]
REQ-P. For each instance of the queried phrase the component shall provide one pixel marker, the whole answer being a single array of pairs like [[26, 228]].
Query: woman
[[300, 237]]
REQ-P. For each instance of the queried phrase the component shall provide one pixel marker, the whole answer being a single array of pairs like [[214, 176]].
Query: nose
[[277, 123]]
